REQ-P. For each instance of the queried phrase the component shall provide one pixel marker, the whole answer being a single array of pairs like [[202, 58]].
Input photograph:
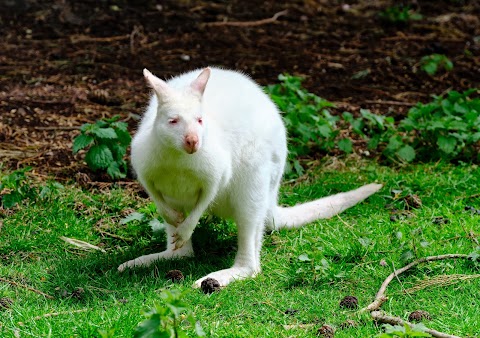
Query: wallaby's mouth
[[190, 150], [191, 143]]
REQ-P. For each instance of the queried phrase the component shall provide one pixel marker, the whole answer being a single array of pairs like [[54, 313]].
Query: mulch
[[65, 63]]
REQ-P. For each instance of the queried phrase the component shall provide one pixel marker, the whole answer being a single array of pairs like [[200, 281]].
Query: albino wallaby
[[212, 141]]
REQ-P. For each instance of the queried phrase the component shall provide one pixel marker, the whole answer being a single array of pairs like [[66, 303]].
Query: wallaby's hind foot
[[226, 276]]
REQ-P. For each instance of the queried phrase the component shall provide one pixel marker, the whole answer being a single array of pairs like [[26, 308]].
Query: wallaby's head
[[180, 122]]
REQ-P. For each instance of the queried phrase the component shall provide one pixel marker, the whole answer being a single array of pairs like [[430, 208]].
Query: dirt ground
[[64, 63]]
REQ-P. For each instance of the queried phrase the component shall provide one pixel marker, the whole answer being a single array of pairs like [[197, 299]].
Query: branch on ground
[[381, 296]]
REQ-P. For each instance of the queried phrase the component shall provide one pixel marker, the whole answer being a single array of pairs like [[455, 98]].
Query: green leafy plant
[[446, 128], [307, 118], [106, 333], [475, 257], [381, 133], [405, 331], [431, 64], [166, 320], [399, 14], [16, 187], [107, 142], [145, 216], [313, 266]]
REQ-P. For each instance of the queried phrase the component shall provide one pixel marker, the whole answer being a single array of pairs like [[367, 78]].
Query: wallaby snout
[[191, 143]]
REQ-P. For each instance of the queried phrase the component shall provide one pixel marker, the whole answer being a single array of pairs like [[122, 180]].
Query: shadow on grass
[[96, 273]]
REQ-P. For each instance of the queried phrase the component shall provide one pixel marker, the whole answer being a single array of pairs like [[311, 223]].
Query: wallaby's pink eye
[[173, 121], [200, 120]]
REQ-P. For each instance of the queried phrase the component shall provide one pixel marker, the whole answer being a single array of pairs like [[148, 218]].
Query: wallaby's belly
[[180, 190]]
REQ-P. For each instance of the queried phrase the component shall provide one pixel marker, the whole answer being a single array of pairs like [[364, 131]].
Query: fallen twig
[[25, 287], [105, 233], [381, 297], [81, 244], [391, 103], [86, 38], [247, 23]]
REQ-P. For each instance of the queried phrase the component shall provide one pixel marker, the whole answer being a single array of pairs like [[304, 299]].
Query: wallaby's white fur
[[212, 141]]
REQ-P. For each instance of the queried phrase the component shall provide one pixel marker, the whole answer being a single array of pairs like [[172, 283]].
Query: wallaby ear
[[199, 84], [160, 87]]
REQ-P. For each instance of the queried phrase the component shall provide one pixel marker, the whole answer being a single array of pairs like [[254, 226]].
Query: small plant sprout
[[431, 64], [168, 319], [446, 128], [17, 187], [399, 14], [405, 331]]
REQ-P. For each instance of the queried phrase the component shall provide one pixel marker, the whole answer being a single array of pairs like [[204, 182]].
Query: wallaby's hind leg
[[247, 260], [250, 204], [170, 253]]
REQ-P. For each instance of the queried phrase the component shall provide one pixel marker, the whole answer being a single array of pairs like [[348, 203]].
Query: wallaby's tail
[[326, 207]]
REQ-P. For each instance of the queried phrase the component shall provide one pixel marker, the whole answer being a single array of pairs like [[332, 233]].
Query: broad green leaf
[[87, 127], [99, 157], [373, 142], [11, 199], [364, 241], [474, 256], [134, 216], [407, 255], [345, 145], [394, 143], [298, 168], [151, 328], [448, 65], [101, 124], [118, 151], [406, 153], [460, 108], [430, 67], [325, 130], [347, 116], [447, 144], [304, 258], [199, 330], [105, 133], [358, 126], [106, 333], [123, 136], [114, 171], [81, 141], [156, 225]]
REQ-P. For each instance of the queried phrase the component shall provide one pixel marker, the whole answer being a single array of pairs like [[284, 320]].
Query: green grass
[[352, 245]]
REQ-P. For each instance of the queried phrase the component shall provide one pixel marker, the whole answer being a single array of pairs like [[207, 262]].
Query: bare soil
[[64, 63]]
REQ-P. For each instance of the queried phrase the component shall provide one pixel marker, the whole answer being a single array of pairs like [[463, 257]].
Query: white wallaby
[[212, 141]]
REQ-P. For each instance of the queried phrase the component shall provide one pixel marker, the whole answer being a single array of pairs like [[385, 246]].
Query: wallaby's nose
[[191, 143]]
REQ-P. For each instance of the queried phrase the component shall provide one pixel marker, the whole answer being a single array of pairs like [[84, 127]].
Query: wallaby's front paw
[[181, 236]]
